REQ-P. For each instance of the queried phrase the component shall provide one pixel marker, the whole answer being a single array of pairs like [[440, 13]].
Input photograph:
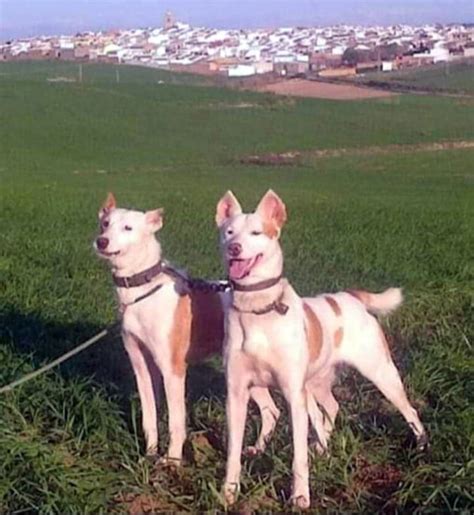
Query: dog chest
[[270, 341]]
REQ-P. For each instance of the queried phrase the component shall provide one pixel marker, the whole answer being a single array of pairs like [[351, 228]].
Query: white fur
[[272, 349], [385, 302], [147, 325]]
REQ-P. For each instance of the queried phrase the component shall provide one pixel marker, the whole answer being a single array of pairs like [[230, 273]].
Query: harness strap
[[144, 277], [262, 285], [123, 307], [277, 305], [193, 284], [198, 284]]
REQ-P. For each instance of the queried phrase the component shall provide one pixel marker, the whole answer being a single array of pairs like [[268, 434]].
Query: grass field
[[443, 77], [71, 442]]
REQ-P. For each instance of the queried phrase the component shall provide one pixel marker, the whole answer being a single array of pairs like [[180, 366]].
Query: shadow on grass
[[37, 341]]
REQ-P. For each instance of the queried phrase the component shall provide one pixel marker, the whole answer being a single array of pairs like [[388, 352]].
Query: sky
[[21, 18]]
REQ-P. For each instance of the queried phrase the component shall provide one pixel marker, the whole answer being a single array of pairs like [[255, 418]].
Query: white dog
[[165, 324], [274, 337]]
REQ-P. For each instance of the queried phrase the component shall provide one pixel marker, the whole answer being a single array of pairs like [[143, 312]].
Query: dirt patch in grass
[[61, 79], [315, 89], [140, 503], [240, 105], [272, 159], [294, 158], [382, 479]]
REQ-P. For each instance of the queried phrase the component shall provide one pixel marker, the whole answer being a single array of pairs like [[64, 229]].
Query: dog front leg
[[236, 411], [175, 398], [147, 386], [296, 397]]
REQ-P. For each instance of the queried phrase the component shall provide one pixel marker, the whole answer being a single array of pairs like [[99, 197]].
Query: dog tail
[[379, 303]]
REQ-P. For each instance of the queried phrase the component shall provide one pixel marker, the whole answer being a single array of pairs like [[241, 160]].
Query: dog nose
[[234, 249], [102, 243]]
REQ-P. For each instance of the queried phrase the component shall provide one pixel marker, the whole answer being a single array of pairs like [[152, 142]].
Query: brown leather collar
[[139, 279], [262, 285], [277, 305]]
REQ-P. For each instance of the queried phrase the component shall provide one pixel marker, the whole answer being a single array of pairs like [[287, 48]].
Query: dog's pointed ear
[[109, 204], [227, 207], [154, 219], [273, 212]]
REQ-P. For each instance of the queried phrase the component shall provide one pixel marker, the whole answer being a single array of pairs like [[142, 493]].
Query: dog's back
[[199, 320]]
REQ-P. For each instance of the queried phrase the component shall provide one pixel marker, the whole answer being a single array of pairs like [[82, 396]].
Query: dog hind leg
[[378, 366], [270, 415], [321, 389]]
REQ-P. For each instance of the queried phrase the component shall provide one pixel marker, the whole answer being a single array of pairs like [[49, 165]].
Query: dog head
[[125, 234], [250, 242]]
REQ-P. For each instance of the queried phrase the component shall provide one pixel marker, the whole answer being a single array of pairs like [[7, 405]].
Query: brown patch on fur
[[363, 296], [273, 212], [198, 329], [109, 203], [334, 305], [270, 229], [314, 333], [338, 335], [180, 335]]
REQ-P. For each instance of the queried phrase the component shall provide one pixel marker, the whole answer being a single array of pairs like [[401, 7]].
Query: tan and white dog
[[275, 337], [165, 325]]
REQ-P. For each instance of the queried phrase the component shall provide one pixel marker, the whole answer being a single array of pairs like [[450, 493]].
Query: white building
[[241, 70]]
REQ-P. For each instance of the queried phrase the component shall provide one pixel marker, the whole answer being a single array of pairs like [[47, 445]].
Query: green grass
[[71, 441], [447, 77]]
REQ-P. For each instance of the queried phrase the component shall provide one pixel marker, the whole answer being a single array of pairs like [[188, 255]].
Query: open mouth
[[108, 254], [240, 268]]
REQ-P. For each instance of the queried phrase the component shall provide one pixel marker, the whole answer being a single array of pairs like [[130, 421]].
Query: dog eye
[[256, 233], [229, 232], [127, 228], [105, 224]]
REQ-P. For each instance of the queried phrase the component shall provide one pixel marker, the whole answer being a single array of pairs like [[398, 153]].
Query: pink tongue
[[239, 268]]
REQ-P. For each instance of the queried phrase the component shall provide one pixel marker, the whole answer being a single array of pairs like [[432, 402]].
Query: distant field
[[451, 77], [71, 441], [316, 89]]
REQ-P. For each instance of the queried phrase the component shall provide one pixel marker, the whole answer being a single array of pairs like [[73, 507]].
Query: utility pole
[[80, 72]]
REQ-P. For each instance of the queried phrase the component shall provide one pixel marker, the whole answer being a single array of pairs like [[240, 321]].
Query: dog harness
[[146, 276], [140, 279], [277, 305]]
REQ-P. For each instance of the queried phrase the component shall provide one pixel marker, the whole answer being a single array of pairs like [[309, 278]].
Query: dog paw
[[230, 492], [422, 443], [152, 456], [300, 501], [319, 448], [168, 461], [251, 451], [152, 451]]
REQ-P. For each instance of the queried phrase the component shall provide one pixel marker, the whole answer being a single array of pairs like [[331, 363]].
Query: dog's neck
[[144, 257], [259, 300]]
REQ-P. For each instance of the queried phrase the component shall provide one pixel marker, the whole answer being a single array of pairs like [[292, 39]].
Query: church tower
[[170, 21]]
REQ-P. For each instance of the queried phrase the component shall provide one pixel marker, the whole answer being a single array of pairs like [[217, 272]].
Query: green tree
[[350, 57]]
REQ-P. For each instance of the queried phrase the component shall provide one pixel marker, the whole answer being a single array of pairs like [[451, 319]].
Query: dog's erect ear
[[154, 219], [273, 212], [109, 204], [227, 207]]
